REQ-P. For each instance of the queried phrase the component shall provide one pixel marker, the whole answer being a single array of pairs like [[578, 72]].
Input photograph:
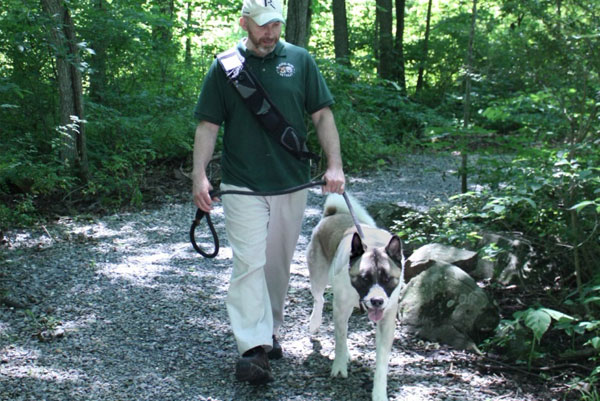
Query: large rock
[[444, 304], [421, 259]]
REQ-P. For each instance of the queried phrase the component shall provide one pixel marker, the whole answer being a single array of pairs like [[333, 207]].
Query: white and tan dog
[[365, 272]]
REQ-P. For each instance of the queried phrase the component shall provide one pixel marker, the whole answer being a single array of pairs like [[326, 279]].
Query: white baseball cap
[[263, 11]]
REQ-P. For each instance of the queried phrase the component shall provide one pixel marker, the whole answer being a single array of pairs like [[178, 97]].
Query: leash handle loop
[[199, 215]]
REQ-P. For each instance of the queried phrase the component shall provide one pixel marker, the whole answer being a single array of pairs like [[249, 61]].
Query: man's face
[[261, 39]]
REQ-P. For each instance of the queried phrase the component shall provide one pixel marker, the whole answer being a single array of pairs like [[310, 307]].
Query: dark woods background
[[96, 97]]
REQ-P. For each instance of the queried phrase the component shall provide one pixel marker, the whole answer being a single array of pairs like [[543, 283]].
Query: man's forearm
[[330, 142], [328, 137], [204, 146]]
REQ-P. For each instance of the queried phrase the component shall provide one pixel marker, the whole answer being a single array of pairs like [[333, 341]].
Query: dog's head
[[375, 273]]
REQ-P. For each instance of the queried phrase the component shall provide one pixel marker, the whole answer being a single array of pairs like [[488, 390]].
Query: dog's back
[[336, 204]]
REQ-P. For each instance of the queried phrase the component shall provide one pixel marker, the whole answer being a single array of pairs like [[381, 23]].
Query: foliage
[[551, 199], [373, 118], [522, 335], [444, 223], [545, 188], [530, 113]]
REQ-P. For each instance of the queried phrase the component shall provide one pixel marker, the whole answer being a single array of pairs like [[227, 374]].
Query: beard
[[262, 46]]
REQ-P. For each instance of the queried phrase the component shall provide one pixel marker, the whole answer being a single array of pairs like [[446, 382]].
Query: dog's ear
[[358, 248], [394, 250]]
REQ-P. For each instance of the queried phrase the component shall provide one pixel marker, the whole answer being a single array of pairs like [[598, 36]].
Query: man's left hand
[[334, 181]]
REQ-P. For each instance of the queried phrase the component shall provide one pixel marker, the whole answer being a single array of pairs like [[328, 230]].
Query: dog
[[363, 272]]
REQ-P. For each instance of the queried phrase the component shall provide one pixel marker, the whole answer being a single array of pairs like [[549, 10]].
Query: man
[[262, 231]]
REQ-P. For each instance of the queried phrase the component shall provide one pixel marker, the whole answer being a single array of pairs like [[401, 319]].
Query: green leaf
[[530, 201], [556, 315], [538, 321], [591, 299], [590, 326], [578, 207], [594, 342]]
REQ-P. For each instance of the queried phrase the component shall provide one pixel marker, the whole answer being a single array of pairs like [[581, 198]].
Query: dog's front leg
[[342, 309], [385, 337]]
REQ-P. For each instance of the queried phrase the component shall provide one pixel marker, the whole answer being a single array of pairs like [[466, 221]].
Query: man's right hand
[[200, 191]]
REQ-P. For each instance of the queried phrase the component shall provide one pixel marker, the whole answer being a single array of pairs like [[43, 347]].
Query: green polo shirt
[[251, 158]]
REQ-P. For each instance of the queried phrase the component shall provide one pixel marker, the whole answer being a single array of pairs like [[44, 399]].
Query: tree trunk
[[420, 78], [386, 44], [340, 32], [72, 128], [98, 61], [162, 40], [467, 104], [297, 27], [188, 39], [399, 45]]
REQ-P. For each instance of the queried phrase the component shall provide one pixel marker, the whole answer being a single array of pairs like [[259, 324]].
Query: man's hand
[[334, 181], [200, 191]]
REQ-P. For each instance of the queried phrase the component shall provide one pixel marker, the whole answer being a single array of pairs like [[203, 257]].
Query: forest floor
[[120, 307]]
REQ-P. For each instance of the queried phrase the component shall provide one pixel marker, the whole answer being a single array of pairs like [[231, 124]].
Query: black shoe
[[253, 367], [277, 351]]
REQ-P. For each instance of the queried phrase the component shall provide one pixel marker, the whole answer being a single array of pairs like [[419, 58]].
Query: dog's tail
[[336, 203]]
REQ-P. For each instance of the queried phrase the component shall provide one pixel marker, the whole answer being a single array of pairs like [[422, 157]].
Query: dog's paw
[[340, 367], [314, 325], [379, 395]]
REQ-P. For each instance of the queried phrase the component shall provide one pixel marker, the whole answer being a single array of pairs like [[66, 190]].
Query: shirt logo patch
[[286, 70]]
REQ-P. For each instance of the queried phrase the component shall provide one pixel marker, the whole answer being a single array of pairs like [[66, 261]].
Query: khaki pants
[[262, 232]]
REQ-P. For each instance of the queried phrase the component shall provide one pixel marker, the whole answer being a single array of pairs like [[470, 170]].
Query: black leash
[[354, 219], [201, 213]]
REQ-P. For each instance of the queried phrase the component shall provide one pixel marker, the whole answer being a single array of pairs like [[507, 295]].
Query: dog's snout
[[377, 302]]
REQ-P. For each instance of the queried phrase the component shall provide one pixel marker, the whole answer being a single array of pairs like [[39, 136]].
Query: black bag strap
[[261, 106]]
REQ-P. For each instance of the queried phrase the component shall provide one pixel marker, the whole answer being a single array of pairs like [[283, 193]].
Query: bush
[[551, 198]]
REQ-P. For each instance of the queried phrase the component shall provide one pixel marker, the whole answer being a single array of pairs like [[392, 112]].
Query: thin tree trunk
[[386, 43], [340, 32], [376, 43], [72, 127], [162, 40], [188, 40], [399, 45], [297, 27], [424, 55], [467, 104], [98, 60]]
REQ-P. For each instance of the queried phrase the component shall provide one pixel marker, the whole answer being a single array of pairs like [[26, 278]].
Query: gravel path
[[122, 308]]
